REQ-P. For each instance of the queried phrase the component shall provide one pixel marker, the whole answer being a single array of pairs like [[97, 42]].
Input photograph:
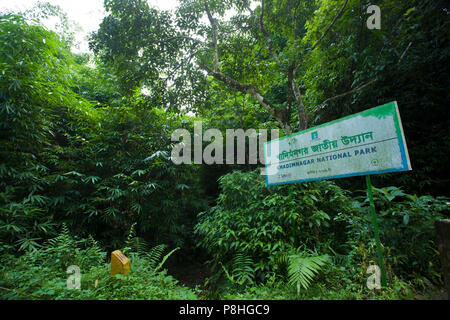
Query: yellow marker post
[[119, 263]]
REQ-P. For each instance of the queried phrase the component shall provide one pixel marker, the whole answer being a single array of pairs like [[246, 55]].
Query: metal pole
[[375, 231]]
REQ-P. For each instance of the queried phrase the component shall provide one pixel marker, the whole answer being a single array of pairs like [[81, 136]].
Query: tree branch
[[289, 88], [320, 106], [292, 83], [180, 64], [294, 23], [281, 115], [212, 21], [301, 110], [266, 34], [180, 38], [404, 52], [329, 27]]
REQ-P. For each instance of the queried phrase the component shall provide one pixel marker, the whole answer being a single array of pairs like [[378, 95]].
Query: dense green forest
[[85, 150]]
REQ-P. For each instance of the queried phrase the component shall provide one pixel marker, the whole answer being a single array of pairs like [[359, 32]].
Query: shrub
[[252, 227], [261, 223], [406, 225]]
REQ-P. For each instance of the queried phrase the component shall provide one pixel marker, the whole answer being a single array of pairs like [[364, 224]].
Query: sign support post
[[375, 231]]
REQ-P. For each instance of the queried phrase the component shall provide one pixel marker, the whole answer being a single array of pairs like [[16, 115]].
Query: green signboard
[[365, 143]]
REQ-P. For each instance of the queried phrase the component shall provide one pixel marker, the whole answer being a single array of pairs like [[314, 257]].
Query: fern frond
[[131, 235], [138, 245], [241, 267], [165, 258], [302, 268], [341, 259], [155, 254], [94, 249], [282, 259], [64, 239], [133, 243]]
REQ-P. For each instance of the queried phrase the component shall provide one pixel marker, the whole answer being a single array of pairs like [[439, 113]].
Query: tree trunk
[[442, 228]]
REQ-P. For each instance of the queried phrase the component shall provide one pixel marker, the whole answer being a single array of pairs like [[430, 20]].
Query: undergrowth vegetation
[[316, 232], [42, 273]]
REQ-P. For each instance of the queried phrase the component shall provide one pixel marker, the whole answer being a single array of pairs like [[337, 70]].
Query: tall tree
[[263, 49]]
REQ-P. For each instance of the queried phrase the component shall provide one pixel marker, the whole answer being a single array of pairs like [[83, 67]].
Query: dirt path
[[190, 274]]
